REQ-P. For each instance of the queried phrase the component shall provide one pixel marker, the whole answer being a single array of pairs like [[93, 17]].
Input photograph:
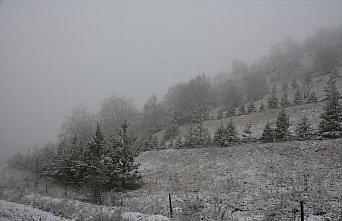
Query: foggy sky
[[57, 54]]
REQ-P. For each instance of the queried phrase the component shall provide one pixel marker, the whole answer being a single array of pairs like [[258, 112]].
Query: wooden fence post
[[170, 204], [65, 191], [294, 214], [46, 188], [302, 210]]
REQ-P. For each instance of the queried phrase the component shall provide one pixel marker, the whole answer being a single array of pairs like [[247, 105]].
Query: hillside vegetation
[[291, 73], [245, 145], [242, 182], [258, 119], [253, 180]]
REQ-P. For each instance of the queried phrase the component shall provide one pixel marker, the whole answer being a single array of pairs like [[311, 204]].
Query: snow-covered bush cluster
[[97, 167]]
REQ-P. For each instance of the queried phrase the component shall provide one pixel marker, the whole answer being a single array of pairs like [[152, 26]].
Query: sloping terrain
[[243, 182], [259, 181], [258, 119], [13, 211]]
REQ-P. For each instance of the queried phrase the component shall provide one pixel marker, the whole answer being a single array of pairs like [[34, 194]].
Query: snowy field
[[10, 211], [257, 181], [243, 182]]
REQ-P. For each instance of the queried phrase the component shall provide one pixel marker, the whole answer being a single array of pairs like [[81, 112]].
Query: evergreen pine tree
[[298, 98], [78, 165], [331, 120], [188, 141], [273, 100], [64, 165], [196, 137], [282, 125], [251, 107], [199, 114], [225, 136], [96, 146], [145, 143], [126, 170], [230, 135], [268, 134], [44, 160], [93, 158], [284, 100], [218, 136], [303, 130], [312, 98]]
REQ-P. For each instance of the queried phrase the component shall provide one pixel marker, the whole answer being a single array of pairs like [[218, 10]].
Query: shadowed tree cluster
[[97, 166]]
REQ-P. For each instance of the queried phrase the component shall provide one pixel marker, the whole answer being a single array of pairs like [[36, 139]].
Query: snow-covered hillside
[[253, 180], [14, 211], [258, 119], [242, 182], [74, 209]]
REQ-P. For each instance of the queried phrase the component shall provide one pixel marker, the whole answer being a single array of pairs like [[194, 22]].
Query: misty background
[[55, 55]]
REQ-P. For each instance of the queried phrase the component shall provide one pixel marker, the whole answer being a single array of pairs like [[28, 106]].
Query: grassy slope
[[254, 180], [258, 119], [260, 181]]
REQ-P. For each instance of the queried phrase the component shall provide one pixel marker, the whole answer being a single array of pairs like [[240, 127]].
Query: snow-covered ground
[[72, 208], [10, 211], [252, 180], [244, 182]]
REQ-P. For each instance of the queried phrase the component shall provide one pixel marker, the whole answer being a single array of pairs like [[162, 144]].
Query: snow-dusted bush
[[304, 130], [331, 120], [225, 135], [196, 137]]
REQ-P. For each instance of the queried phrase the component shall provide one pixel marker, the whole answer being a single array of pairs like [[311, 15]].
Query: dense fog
[[57, 55]]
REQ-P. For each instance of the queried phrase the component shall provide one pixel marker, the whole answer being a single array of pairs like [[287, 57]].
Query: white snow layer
[[20, 212]]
